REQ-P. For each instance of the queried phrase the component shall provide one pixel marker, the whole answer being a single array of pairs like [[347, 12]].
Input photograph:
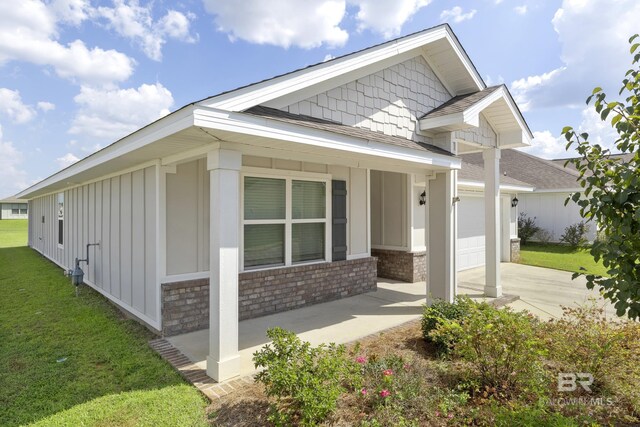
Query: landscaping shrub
[[502, 348], [584, 340], [306, 382], [437, 313], [527, 227], [543, 236], [575, 235]]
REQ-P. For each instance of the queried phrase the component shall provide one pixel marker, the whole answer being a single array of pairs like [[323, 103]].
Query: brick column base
[[398, 265], [515, 250]]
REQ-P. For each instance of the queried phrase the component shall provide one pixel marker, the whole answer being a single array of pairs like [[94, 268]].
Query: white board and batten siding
[[551, 213], [187, 201], [120, 214]]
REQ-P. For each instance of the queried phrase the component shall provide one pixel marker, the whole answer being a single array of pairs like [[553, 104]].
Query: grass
[[13, 233], [560, 257], [67, 360]]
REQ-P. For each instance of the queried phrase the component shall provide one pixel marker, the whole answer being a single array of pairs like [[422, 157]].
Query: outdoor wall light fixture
[[514, 202], [422, 199]]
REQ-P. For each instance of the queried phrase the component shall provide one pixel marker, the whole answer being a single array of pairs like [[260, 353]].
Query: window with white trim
[[285, 221], [60, 219]]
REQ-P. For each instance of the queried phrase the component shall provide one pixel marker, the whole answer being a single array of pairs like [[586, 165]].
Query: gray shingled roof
[[471, 172], [570, 166], [539, 173], [312, 122], [459, 103]]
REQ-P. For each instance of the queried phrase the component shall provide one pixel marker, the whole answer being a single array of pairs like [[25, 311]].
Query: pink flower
[[385, 393], [387, 372], [437, 413], [363, 392], [361, 359], [450, 416], [407, 367]]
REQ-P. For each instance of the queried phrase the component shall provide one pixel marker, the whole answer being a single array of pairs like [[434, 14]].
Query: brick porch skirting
[[399, 265], [185, 305]]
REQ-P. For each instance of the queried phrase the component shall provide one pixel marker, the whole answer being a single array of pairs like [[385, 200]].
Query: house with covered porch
[[292, 191]]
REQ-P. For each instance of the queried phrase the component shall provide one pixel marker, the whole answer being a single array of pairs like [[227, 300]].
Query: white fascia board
[[260, 93], [168, 125], [503, 187], [268, 128], [559, 190], [515, 111]]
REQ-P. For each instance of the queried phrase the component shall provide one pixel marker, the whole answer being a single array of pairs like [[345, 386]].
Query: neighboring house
[[288, 192], [14, 209], [552, 184]]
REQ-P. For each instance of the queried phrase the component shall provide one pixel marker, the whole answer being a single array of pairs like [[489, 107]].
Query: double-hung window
[[285, 221]]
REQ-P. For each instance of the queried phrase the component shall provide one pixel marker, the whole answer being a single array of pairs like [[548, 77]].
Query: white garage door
[[470, 231]]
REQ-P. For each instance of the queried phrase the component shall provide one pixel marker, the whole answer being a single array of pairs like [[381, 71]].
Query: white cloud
[[521, 88], [520, 10], [491, 82], [594, 52], [11, 105], [311, 23], [545, 144], [456, 14], [386, 17], [28, 32], [46, 106], [12, 177], [73, 12], [113, 113], [131, 20], [305, 24], [67, 160]]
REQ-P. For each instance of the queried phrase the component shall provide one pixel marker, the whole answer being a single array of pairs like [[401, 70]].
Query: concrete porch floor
[[542, 291]]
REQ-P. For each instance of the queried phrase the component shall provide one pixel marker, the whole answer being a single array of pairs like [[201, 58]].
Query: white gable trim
[[364, 62], [471, 118]]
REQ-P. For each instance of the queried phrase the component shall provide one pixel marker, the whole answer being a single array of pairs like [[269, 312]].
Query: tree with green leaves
[[611, 195]]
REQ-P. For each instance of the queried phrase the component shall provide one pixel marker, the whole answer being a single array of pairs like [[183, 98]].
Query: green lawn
[[560, 257], [13, 233], [67, 360]]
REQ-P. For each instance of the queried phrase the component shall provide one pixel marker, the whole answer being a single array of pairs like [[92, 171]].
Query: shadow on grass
[[58, 351], [553, 248]]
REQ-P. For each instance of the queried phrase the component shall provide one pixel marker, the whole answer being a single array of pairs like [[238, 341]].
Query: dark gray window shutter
[[338, 220]]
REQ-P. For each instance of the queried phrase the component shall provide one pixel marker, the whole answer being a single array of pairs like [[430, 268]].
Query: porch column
[[223, 361], [492, 286], [442, 231]]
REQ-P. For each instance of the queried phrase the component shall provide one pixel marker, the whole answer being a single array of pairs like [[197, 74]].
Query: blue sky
[[76, 75]]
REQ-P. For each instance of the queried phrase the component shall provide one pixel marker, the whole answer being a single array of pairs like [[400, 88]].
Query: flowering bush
[[306, 382]]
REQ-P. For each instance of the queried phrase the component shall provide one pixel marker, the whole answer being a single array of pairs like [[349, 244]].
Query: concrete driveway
[[541, 291]]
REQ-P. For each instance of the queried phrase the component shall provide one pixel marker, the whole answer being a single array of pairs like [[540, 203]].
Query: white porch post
[[442, 231], [491, 156], [223, 361]]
